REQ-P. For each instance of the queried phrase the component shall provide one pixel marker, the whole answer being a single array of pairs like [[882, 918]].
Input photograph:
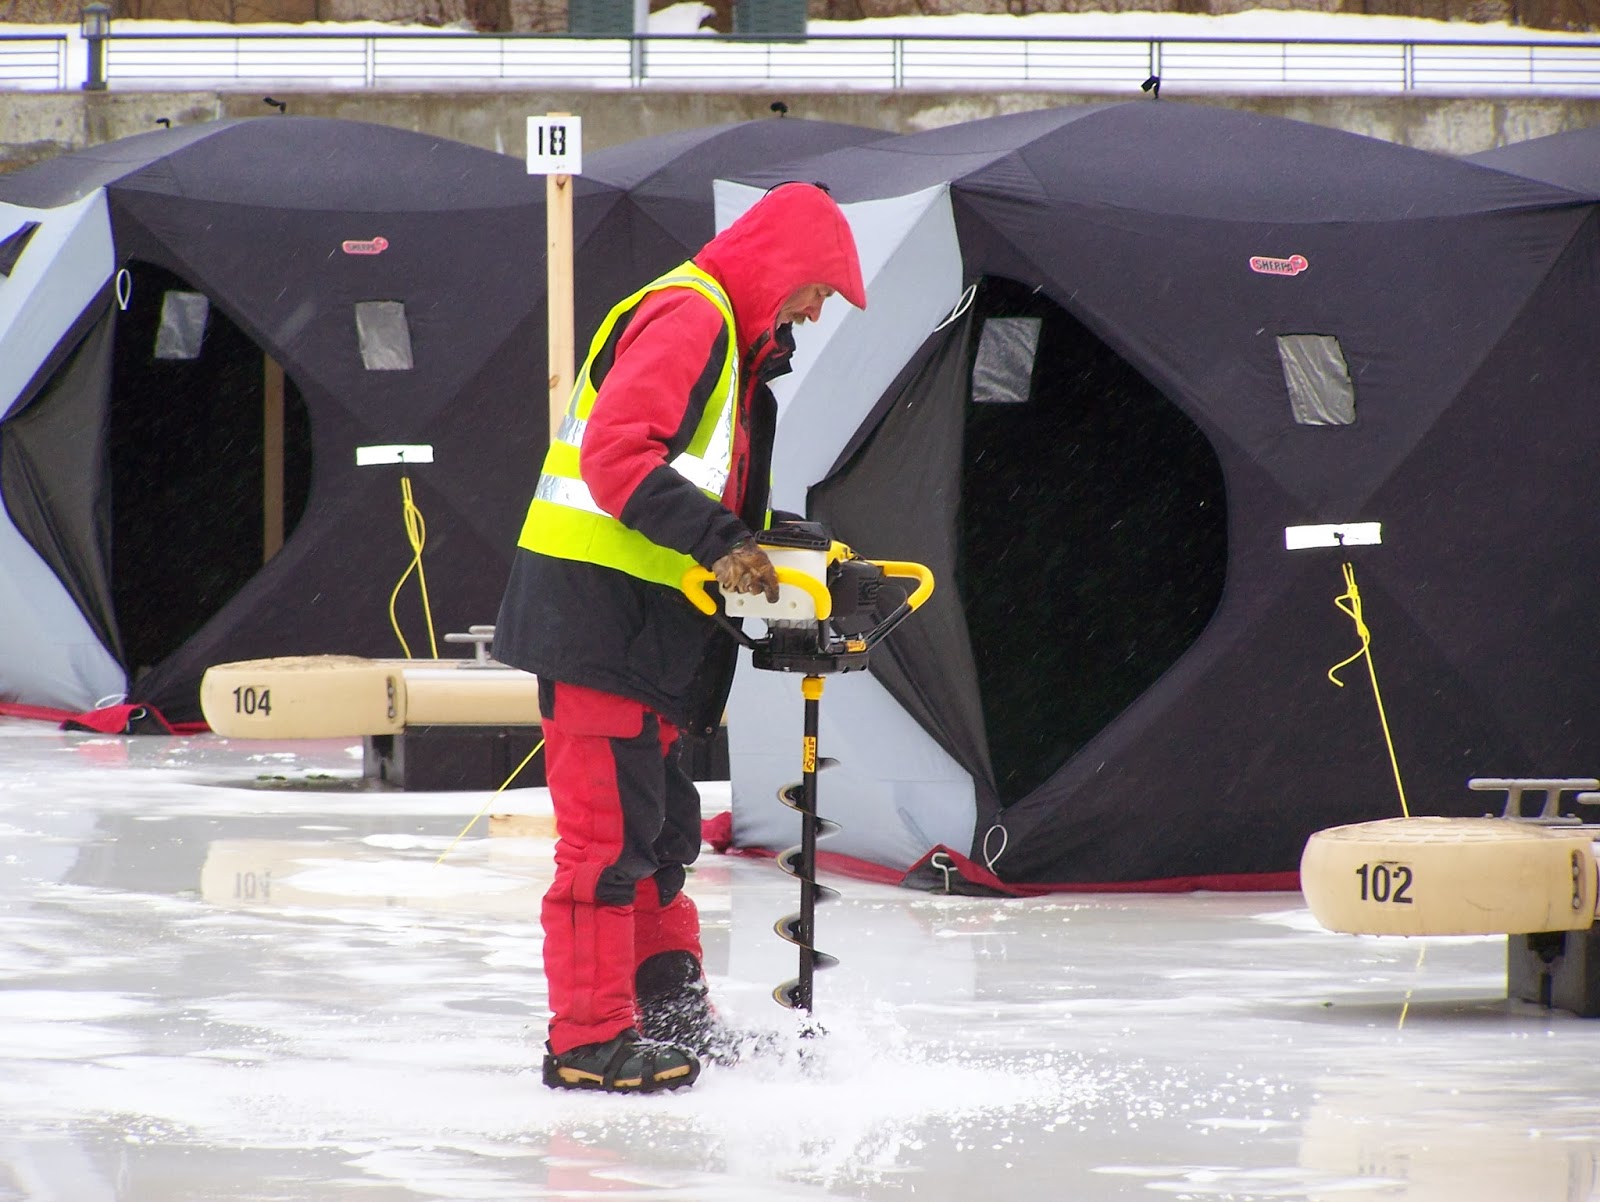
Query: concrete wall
[[36, 126]]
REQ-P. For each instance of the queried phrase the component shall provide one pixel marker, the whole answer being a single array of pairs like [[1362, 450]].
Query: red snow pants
[[627, 822]]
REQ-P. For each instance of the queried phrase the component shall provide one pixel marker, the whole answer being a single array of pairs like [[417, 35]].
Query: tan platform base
[[343, 696], [522, 826], [1450, 876], [508, 880]]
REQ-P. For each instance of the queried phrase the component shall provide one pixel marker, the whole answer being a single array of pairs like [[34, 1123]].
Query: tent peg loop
[[944, 864], [989, 861]]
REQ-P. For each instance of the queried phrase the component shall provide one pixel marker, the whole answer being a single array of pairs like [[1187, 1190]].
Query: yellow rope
[[416, 534], [1405, 1008], [503, 786], [1350, 603]]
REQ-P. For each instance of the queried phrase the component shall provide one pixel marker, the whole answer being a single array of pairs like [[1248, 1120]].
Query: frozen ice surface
[[236, 971]]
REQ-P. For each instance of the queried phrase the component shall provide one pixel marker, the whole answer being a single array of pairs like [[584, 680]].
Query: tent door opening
[[1092, 532], [210, 463]]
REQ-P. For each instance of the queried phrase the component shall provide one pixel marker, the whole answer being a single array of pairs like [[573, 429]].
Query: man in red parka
[[661, 463]]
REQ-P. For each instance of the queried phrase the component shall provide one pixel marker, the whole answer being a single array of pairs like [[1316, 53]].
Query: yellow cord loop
[[416, 534], [504, 785], [1350, 603]]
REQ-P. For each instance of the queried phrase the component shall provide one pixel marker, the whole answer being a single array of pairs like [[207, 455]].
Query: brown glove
[[746, 569]]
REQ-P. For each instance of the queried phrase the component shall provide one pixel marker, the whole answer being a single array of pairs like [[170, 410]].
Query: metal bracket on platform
[[1552, 788], [481, 636]]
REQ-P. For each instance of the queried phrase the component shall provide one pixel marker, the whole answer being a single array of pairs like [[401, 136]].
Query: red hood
[[793, 236]]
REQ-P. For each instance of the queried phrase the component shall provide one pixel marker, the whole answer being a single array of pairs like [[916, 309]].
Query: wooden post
[[271, 457], [558, 291]]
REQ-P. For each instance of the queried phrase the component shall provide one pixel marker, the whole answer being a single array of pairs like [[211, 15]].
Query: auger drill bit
[[832, 608], [800, 861]]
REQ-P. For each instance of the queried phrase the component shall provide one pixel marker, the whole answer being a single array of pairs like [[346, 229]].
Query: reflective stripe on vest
[[565, 521]]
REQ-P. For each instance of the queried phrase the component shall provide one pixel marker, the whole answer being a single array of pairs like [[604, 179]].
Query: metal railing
[[838, 61], [33, 61]]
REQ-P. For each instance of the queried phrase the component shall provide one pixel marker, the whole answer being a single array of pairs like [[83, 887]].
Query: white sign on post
[[555, 145]]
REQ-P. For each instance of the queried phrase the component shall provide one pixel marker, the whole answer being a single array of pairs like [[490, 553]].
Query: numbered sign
[[247, 699], [555, 145], [1386, 881], [1431, 875]]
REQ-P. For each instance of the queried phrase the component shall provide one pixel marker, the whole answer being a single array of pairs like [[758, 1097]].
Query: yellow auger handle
[[696, 578], [916, 571]]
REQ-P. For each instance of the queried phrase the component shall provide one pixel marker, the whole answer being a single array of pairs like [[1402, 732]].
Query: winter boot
[[675, 1007], [625, 1064]]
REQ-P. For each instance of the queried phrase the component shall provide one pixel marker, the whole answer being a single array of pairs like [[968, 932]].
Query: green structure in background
[[770, 18], [606, 18]]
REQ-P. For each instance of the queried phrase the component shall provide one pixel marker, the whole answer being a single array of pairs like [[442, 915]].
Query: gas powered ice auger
[[833, 608]]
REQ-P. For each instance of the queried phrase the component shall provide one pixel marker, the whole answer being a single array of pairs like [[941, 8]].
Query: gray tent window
[[1320, 391], [1002, 370], [384, 334], [183, 325]]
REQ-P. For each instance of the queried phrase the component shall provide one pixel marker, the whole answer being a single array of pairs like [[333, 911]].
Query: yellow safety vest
[[563, 518]]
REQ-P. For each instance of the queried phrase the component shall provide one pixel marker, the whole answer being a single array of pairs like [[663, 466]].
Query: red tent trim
[[107, 720], [946, 871]]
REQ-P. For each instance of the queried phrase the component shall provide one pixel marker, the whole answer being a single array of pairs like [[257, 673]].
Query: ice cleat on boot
[[625, 1064], [675, 1007]]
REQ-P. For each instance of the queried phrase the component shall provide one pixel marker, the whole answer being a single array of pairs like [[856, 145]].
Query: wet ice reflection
[[236, 972]]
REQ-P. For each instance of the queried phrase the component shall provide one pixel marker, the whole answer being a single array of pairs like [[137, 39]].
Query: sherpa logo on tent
[[1266, 265], [375, 246]]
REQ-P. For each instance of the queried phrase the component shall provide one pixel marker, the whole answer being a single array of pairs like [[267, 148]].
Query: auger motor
[[833, 607]]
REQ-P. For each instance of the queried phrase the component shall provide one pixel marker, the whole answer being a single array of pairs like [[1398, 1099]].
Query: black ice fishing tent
[[1570, 159], [1204, 360], [200, 328], [667, 211], [1137, 381], [359, 285]]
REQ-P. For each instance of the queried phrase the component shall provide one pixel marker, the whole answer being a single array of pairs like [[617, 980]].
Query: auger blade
[[823, 826], [800, 861], [788, 994], [790, 862], [788, 927]]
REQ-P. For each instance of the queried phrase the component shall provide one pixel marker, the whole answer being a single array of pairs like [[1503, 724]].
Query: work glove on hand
[[746, 569]]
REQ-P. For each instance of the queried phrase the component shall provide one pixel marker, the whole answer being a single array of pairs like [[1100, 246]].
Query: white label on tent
[[399, 453], [555, 145], [1347, 534]]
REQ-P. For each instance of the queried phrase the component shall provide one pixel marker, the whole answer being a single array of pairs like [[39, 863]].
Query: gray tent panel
[[894, 792], [896, 494], [48, 653], [64, 266], [55, 642], [898, 791], [55, 480], [912, 269]]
